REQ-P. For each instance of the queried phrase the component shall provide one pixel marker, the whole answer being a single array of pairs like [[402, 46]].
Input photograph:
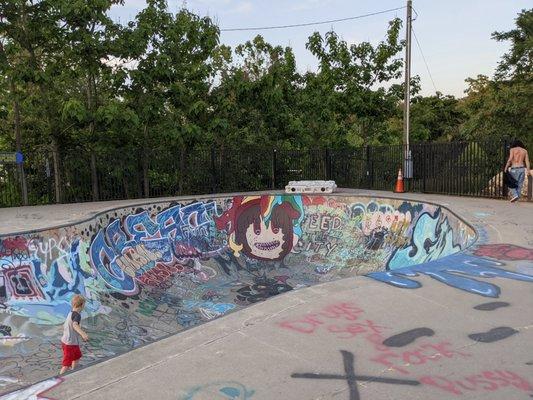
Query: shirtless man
[[518, 166]]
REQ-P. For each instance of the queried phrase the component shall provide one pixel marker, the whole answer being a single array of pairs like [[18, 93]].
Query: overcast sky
[[454, 34]]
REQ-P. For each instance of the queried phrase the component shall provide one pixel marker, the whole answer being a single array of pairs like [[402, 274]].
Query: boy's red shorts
[[71, 352]]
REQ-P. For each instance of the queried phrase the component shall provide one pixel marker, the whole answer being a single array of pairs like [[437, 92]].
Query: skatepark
[[351, 295]]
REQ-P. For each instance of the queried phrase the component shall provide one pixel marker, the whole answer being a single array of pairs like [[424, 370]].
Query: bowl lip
[[178, 199]]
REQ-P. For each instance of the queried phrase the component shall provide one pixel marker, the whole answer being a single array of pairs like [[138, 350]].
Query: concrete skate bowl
[[150, 271]]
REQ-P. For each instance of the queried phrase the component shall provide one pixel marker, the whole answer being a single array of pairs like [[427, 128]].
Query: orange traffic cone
[[399, 183]]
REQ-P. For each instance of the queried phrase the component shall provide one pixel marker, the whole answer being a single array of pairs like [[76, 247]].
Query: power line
[[424, 58], [263, 28]]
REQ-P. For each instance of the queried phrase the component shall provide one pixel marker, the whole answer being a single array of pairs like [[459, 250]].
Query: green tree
[[497, 109], [30, 32], [168, 88], [255, 101], [436, 118], [346, 102], [502, 107], [518, 62]]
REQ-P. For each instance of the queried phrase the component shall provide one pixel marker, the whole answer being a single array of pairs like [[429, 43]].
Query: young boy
[[70, 341]]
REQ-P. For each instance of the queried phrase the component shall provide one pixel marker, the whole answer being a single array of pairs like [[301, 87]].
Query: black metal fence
[[457, 168]]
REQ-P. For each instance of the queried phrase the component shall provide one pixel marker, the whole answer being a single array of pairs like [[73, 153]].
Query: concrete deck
[[351, 339]]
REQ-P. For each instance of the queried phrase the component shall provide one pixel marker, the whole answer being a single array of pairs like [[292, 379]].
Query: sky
[[454, 35]]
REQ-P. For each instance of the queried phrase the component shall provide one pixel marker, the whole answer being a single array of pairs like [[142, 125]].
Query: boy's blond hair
[[78, 301]]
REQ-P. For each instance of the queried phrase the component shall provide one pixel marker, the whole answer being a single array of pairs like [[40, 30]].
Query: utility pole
[[408, 165]]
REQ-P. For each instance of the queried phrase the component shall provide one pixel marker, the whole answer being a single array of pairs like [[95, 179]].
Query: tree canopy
[[72, 78]]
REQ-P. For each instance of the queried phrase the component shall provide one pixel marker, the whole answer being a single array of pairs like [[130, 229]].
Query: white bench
[[310, 187]]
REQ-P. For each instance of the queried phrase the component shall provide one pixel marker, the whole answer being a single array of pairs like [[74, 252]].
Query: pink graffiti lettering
[[159, 274], [441, 383], [310, 322], [356, 328], [418, 356], [484, 381]]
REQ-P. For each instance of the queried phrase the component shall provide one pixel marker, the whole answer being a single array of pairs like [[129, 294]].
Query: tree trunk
[[16, 111], [94, 170], [91, 106], [18, 142]]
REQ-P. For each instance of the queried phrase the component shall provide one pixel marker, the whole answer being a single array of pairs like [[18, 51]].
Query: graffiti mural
[[150, 271]]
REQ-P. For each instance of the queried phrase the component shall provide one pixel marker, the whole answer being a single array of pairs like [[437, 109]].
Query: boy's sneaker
[[514, 199]]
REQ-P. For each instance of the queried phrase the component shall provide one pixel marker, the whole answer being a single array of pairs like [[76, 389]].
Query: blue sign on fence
[[11, 157]]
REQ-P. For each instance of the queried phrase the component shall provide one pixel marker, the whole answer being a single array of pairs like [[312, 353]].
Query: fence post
[[23, 184], [424, 148], [369, 177], [530, 188], [57, 175], [274, 167], [213, 171], [146, 183], [504, 188], [94, 178], [182, 169], [327, 164]]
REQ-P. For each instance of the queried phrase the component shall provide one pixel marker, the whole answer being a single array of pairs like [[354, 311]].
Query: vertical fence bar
[[273, 172], [504, 189], [145, 181], [367, 166], [24, 186], [181, 169], [529, 188], [57, 177], [424, 172], [94, 178], [213, 172], [476, 182], [327, 166]]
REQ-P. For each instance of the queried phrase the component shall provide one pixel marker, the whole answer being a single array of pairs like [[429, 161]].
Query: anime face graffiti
[[264, 241], [263, 227]]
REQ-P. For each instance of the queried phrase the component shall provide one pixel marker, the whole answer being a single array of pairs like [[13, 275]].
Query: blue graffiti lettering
[[187, 226], [102, 254], [139, 226]]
